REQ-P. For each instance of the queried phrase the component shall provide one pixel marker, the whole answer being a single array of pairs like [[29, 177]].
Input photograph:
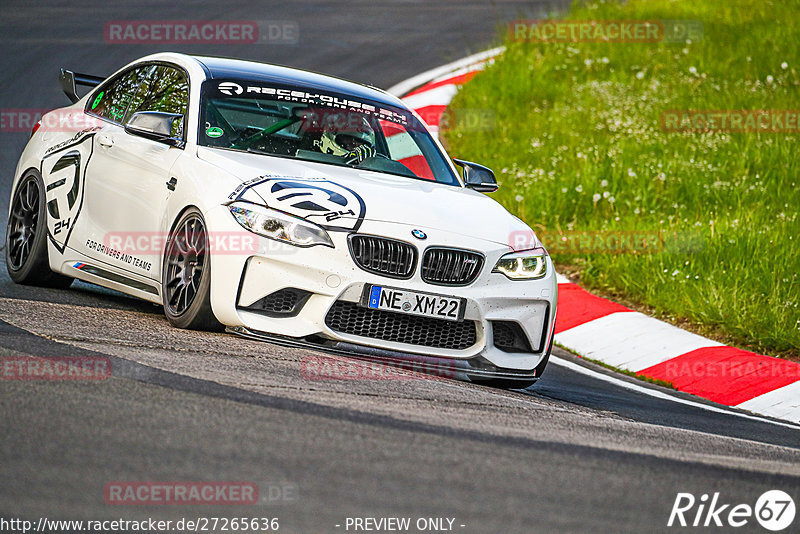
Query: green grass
[[582, 119]]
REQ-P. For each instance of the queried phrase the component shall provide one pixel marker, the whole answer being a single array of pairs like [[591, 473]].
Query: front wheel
[[26, 237], [186, 275]]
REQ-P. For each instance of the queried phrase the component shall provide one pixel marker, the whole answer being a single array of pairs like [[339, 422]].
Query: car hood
[[341, 198]]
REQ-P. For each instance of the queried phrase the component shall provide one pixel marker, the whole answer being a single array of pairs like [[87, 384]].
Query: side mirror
[[155, 125], [478, 177]]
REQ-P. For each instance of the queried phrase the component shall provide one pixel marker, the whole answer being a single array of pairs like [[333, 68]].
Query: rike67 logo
[[774, 510]]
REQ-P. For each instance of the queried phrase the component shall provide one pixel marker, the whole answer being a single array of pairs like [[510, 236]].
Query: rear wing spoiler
[[69, 80]]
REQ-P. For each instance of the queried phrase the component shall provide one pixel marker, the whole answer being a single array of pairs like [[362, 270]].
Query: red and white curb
[[602, 330], [429, 93]]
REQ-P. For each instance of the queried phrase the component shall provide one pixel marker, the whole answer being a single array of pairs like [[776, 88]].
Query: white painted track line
[[783, 403], [658, 394]]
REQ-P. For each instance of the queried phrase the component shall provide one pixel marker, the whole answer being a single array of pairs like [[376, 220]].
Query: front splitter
[[465, 370]]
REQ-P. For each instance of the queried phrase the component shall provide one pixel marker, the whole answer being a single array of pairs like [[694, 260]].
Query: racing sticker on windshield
[[326, 203], [98, 99], [297, 96]]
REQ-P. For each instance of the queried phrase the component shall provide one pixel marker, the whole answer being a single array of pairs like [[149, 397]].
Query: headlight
[[525, 265], [279, 226]]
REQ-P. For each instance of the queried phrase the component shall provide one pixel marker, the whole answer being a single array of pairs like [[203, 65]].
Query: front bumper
[[329, 275]]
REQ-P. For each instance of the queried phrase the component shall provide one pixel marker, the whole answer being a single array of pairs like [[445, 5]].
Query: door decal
[[64, 172]]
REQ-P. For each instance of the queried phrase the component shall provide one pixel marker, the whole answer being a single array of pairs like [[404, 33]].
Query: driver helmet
[[345, 133]]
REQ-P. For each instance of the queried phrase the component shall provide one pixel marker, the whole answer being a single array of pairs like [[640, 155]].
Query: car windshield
[[335, 129]]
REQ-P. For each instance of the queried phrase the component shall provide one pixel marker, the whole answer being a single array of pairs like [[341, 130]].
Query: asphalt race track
[[575, 453]]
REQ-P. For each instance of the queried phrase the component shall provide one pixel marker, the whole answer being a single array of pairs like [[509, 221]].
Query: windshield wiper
[[257, 151]]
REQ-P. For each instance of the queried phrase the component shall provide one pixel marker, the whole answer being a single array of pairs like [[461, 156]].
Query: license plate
[[413, 303]]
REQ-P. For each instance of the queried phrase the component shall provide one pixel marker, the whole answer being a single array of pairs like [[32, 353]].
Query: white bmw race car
[[283, 205]]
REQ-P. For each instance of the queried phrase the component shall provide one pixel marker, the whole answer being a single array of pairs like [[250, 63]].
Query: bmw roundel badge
[[419, 234]]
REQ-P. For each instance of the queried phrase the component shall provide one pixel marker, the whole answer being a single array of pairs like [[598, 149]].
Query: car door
[[64, 164], [127, 176]]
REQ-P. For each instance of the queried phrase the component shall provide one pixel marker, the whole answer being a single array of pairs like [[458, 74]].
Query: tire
[[186, 275], [26, 237]]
